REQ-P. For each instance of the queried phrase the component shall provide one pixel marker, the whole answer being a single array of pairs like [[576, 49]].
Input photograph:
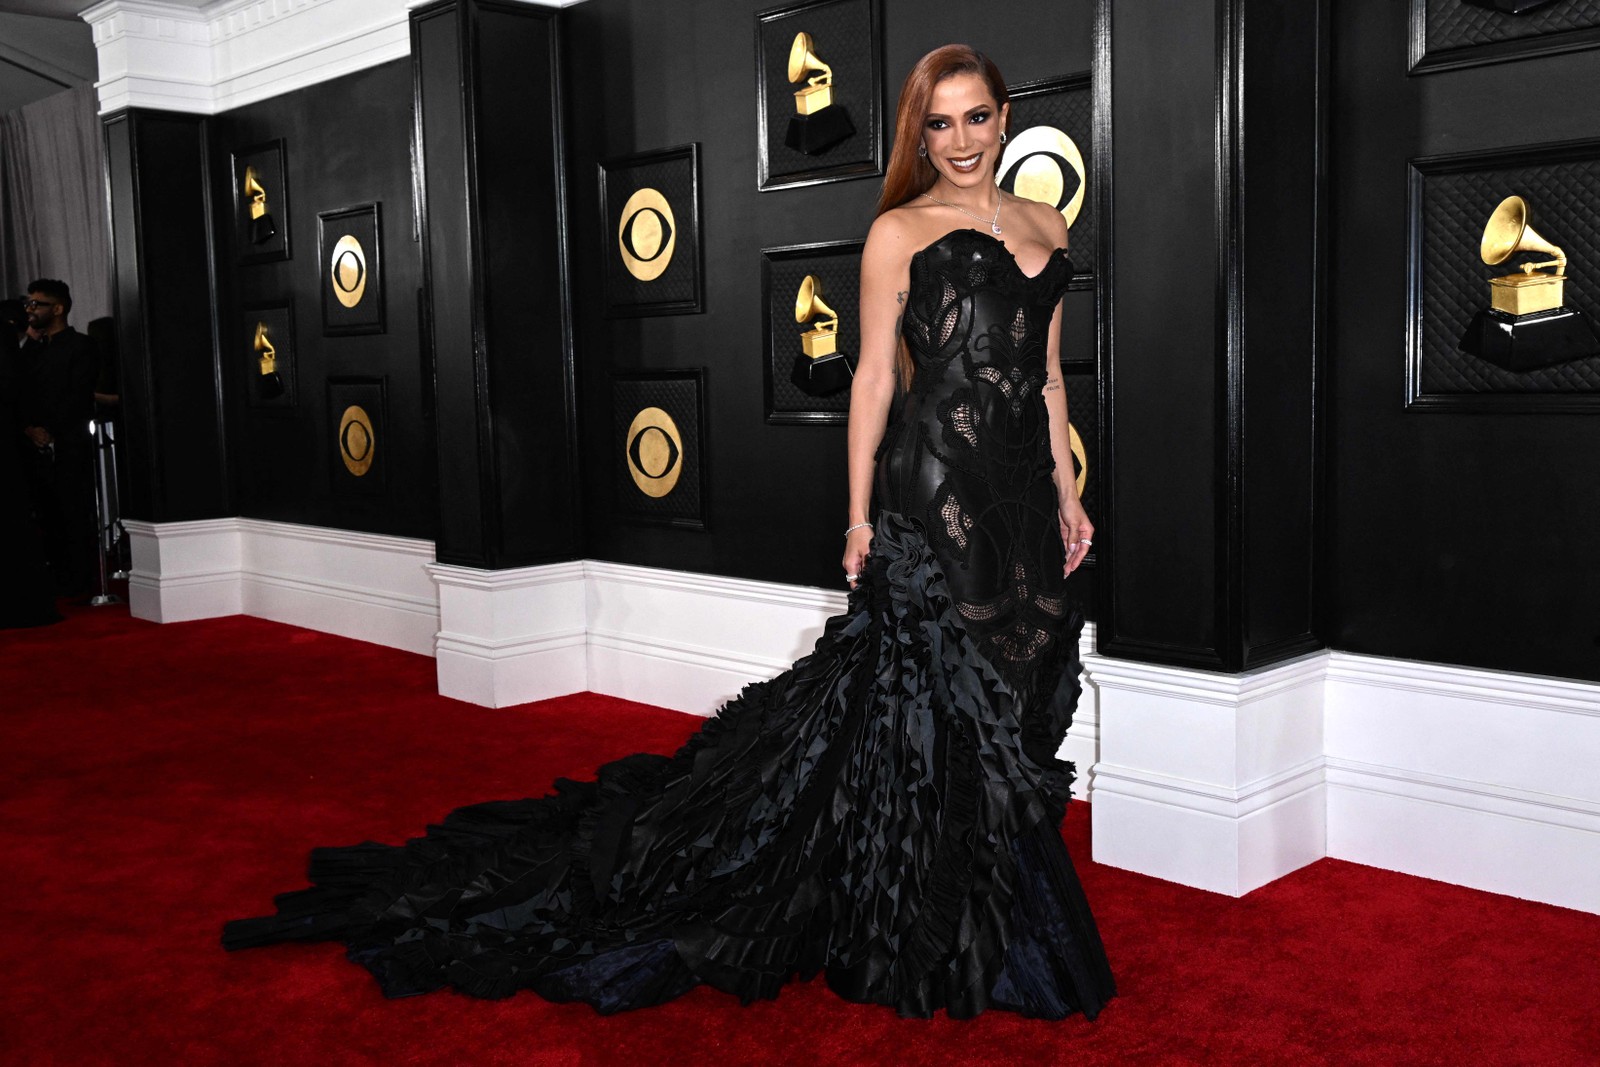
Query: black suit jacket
[[57, 387]]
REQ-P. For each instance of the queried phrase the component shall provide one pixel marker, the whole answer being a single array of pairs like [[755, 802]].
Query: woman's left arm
[[1076, 529]]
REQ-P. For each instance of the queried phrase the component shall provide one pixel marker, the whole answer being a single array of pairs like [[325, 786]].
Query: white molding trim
[[509, 637], [208, 58], [1210, 780], [691, 641], [184, 570], [371, 587], [1225, 782], [176, 57], [1480, 778]]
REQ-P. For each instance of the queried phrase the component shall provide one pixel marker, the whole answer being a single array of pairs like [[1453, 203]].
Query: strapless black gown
[[887, 811]]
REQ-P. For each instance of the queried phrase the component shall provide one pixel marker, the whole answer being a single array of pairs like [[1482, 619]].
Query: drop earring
[[922, 149], [1002, 137]]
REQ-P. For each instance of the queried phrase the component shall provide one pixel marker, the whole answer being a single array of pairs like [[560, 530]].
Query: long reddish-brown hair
[[910, 174]]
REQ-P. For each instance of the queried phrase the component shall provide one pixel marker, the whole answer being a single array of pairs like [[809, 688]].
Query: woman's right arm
[[885, 281]]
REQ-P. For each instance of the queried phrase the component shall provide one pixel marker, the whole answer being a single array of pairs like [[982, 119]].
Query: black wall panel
[[1168, 325], [1458, 537], [489, 85], [346, 142], [646, 75], [176, 456]]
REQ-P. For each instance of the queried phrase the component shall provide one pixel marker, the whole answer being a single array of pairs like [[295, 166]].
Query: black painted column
[[165, 306], [488, 114], [1215, 206]]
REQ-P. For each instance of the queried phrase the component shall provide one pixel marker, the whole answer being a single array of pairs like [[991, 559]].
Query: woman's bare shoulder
[[1045, 222], [895, 236]]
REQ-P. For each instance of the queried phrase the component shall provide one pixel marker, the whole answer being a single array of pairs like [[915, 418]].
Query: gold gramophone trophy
[[818, 123], [1527, 324], [261, 225], [267, 363], [820, 369]]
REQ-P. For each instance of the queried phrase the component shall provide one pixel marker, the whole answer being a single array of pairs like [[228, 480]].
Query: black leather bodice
[[968, 457]]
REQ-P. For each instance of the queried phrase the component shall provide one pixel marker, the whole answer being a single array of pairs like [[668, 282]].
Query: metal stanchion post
[[116, 535], [102, 508]]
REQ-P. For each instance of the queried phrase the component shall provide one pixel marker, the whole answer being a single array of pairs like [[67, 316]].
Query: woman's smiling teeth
[[970, 163]]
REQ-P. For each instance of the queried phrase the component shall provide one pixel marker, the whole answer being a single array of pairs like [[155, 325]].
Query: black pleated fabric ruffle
[[883, 812]]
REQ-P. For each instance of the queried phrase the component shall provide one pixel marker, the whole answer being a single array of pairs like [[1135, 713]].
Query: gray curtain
[[53, 213]]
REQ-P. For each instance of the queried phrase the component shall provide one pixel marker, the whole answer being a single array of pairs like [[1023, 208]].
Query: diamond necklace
[[994, 223]]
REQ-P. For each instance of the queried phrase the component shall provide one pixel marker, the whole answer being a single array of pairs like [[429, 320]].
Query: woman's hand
[[1076, 532], [857, 544]]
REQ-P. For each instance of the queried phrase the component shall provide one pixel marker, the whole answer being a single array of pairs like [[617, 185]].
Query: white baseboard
[[690, 642], [1210, 780], [511, 636], [367, 586], [1480, 778], [1475, 777], [183, 570]]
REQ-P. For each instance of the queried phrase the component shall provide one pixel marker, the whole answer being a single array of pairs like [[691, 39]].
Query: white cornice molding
[[226, 54], [176, 57]]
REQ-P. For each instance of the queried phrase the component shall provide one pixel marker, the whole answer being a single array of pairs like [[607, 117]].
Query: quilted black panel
[[1457, 24], [679, 397], [841, 33], [839, 272], [679, 284], [1070, 109], [1562, 197]]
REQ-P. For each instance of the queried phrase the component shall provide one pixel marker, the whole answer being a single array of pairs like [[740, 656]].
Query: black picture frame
[[269, 159], [1476, 36], [837, 265], [660, 186], [1064, 103], [681, 395], [368, 393], [265, 391], [1447, 281], [364, 224], [849, 38]]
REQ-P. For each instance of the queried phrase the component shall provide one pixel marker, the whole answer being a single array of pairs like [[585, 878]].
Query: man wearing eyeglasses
[[56, 405]]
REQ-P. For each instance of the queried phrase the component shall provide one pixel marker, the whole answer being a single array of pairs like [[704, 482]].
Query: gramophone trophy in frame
[[261, 203], [271, 382], [818, 123], [262, 228], [266, 336], [820, 369], [1527, 325]]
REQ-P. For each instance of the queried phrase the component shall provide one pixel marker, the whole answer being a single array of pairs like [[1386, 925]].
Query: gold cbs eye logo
[[655, 452], [1079, 453], [356, 442], [347, 271], [647, 234], [1035, 166]]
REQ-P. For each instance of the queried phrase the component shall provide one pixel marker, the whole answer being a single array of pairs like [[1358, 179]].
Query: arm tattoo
[[900, 298], [1052, 383]]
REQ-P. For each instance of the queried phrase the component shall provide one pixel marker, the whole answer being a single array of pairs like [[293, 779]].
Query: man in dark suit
[[56, 404]]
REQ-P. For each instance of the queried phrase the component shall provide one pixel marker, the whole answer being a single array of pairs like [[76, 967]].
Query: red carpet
[[159, 780]]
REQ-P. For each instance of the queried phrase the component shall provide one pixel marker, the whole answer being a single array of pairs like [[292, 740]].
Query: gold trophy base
[[819, 343], [1525, 294], [812, 99]]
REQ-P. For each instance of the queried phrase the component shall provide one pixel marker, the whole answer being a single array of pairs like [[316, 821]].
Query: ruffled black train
[[880, 812]]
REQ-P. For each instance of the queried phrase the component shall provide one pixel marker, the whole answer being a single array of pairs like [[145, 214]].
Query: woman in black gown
[[888, 810]]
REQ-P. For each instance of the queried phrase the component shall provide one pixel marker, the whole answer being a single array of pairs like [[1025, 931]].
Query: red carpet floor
[[159, 780]]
